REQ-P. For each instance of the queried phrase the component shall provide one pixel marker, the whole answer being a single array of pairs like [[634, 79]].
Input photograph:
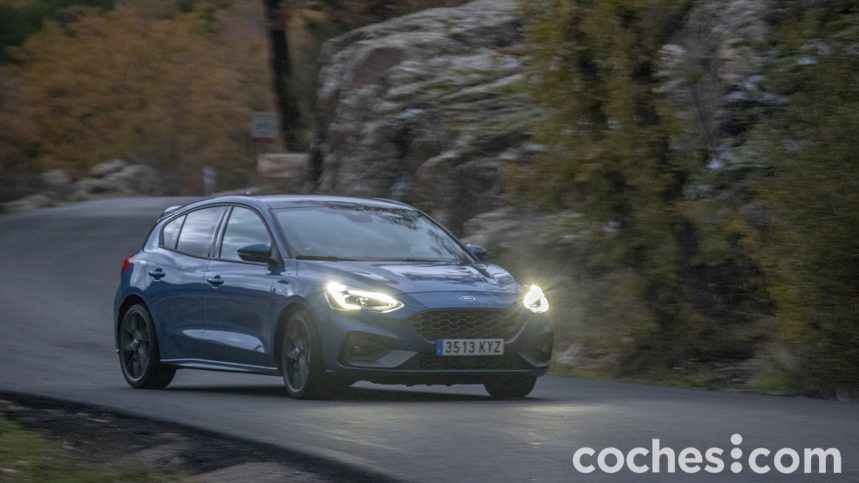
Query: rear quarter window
[[170, 233], [198, 231]]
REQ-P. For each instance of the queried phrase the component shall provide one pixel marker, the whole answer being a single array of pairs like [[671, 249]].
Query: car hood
[[417, 277]]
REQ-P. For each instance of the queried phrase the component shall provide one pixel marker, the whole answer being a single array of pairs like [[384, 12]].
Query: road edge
[[331, 467]]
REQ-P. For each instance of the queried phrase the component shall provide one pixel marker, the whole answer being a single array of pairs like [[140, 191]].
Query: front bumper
[[399, 347]]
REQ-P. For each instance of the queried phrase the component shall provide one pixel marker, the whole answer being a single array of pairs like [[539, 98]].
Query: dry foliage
[[145, 82]]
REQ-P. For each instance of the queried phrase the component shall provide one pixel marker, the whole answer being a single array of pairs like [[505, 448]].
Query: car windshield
[[334, 232]]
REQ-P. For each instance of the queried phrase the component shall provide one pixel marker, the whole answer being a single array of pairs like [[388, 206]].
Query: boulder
[[137, 179], [38, 200], [105, 168], [88, 187], [128, 180], [56, 182]]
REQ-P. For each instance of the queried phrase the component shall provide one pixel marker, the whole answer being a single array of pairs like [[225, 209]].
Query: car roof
[[286, 201]]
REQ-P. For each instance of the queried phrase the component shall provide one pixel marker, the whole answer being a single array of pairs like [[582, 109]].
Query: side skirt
[[221, 366]]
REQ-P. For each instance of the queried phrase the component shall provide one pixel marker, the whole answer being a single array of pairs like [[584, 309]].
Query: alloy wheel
[[297, 353], [134, 345]]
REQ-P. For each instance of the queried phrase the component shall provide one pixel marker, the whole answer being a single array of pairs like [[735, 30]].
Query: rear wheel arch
[[129, 301], [137, 347]]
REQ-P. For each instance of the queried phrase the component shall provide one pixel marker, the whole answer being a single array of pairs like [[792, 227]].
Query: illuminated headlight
[[341, 297], [535, 301]]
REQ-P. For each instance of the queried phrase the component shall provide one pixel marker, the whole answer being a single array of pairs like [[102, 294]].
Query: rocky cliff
[[426, 108], [429, 107]]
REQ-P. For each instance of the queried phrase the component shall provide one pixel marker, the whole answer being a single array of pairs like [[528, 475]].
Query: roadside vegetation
[[696, 260]]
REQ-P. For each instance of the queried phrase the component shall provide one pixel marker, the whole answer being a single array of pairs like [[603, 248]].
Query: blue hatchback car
[[324, 291]]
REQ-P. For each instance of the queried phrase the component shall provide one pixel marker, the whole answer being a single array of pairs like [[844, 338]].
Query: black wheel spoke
[[296, 355], [134, 345], [143, 357], [135, 367]]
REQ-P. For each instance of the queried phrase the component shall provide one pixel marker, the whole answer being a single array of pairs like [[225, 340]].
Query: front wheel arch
[[282, 319]]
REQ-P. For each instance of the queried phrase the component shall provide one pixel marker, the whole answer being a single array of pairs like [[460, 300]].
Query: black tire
[[301, 359], [139, 358], [510, 387]]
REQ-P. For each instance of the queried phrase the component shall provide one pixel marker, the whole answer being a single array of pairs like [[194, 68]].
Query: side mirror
[[258, 253], [478, 251]]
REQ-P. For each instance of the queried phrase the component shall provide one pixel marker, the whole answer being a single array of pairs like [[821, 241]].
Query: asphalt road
[[59, 270]]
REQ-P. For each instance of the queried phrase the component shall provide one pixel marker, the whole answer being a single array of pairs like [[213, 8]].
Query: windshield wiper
[[326, 258]]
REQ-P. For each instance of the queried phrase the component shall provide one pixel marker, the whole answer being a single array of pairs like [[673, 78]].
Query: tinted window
[[243, 228], [171, 233], [365, 233], [199, 231]]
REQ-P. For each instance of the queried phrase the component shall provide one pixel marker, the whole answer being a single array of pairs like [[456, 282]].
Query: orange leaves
[[142, 82]]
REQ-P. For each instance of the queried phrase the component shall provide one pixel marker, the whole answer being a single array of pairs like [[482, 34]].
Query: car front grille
[[467, 324]]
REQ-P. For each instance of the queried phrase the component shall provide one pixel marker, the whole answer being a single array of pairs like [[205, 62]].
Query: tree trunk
[[277, 16]]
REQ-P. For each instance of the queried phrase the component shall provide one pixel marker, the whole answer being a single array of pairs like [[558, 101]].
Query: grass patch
[[27, 455]]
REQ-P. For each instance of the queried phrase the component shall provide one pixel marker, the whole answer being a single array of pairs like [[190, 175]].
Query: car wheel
[[138, 351], [301, 359], [510, 387]]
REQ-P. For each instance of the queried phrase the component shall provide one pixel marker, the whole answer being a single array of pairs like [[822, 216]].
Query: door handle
[[157, 274], [215, 281]]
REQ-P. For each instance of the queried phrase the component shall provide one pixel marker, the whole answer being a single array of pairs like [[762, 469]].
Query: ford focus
[[324, 292]]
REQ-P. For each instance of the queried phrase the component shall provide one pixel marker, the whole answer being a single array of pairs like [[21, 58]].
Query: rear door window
[[198, 231]]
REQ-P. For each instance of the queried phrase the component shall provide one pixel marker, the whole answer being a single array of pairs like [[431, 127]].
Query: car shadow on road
[[352, 394]]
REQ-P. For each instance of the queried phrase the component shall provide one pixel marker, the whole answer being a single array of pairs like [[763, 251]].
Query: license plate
[[469, 347]]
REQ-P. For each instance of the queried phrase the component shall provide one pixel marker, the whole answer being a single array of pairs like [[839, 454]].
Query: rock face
[[509, 229], [711, 70], [430, 107], [426, 108]]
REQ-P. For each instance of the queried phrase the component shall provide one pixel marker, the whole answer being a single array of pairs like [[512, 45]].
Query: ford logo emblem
[[468, 298]]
